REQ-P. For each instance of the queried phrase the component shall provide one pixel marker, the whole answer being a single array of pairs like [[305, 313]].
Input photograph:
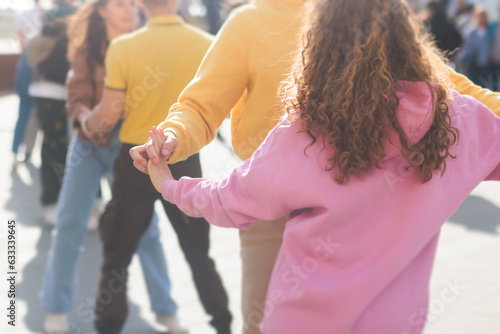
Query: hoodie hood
[[415, 114]]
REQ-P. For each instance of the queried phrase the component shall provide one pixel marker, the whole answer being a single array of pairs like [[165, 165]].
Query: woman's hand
[[158, 172], [77, 123]]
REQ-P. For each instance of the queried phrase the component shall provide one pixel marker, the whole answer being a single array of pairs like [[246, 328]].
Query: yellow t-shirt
[[153, 65]]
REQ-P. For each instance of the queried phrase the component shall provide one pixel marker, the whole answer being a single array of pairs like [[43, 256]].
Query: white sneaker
[[172, 324], [48, 215], [15, 162], [55, 324]]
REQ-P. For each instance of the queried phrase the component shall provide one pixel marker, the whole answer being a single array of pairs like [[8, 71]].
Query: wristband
[[84, 124]]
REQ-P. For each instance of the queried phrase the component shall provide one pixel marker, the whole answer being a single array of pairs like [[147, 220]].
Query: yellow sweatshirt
[[253, 52]]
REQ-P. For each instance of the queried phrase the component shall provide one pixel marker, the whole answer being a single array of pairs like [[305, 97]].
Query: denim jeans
[[85, 166], [23, 80]]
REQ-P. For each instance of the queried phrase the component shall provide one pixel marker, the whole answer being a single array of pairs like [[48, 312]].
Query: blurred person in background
[[464, 17], [47, 56], [474, 56], [28, 25], [145, 72], [495, 54], [90, 31], [447, 37], [213, 8]]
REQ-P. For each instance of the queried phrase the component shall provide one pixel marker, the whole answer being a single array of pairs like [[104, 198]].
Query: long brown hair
[[345, 81], [88, 28]]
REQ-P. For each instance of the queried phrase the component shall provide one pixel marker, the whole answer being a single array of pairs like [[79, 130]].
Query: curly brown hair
[[345, 81]]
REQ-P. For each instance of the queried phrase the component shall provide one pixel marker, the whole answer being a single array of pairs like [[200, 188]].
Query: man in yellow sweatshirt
[[250, 57]]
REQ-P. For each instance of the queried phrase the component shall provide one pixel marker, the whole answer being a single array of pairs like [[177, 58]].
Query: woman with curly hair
[[367, 163]]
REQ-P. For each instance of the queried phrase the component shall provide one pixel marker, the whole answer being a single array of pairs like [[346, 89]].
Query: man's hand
[[77, 124], [96, 137], [140, 157], [158, 148], [161, 145]]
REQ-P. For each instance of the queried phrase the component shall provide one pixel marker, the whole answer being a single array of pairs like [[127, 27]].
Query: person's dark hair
[[436, 6], [88, 28], [344, 85], [96, 35]]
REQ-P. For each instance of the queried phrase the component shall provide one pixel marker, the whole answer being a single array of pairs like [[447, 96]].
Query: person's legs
[[495, 72], [150, 251], [81, 182], [31, 134], [23, 80], [52, 117], [154, 267], [125, 220], [260, 245], [193, 235]]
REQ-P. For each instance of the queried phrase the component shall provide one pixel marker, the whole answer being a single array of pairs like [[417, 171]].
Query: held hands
[[158, 172], [77, 124], [96, 137], [161, 149]]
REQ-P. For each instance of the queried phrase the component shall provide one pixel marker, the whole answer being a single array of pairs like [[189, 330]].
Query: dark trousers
[[53, 117], [126, 218]]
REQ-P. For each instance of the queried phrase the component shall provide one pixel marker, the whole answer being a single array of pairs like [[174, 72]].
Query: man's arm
[[466, 87], [105, 115]]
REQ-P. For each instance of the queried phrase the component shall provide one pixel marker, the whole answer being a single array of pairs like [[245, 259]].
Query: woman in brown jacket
[[94, 25]]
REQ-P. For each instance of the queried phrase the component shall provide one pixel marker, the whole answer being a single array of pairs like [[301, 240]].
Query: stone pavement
[[465, 288]]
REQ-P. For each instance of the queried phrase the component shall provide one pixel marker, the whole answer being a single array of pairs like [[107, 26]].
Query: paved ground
[[465, 286]]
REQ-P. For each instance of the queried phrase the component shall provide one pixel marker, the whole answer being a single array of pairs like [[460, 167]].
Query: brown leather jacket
[[85, 84]]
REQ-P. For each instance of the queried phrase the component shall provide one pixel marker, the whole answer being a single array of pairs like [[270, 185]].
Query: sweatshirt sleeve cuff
[[167, 190]]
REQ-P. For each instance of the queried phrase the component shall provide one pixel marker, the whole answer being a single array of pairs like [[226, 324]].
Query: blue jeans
[[23, 80], [85, 166]]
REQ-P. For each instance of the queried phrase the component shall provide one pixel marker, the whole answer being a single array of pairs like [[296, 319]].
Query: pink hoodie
[[355, 258]]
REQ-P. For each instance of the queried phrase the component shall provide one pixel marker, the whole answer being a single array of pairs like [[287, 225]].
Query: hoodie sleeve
[[239, 200], [479, 131]]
